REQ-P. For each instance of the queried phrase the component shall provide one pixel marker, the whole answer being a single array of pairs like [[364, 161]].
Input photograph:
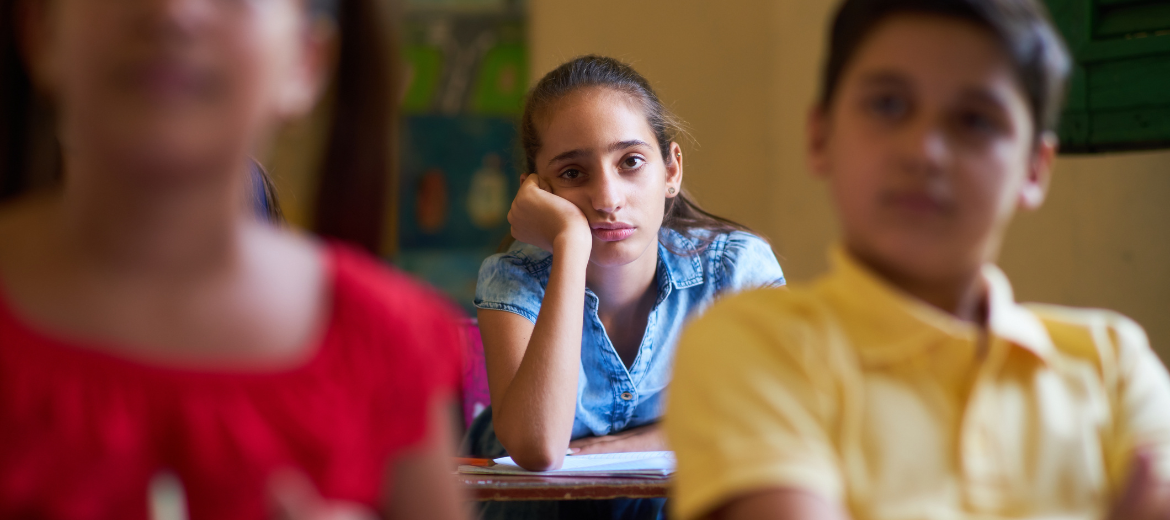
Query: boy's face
[[929, 147]]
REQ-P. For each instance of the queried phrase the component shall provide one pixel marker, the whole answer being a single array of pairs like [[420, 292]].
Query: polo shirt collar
[[899, 325]]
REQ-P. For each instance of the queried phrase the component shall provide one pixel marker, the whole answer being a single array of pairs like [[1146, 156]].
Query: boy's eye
[[570, 174], [633, 162], [978, 122], [891, 106]]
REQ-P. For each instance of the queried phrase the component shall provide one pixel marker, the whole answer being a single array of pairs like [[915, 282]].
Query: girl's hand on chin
[[540, 218]]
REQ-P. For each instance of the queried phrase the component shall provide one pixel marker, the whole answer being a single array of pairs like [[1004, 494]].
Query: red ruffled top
[[82, 432]]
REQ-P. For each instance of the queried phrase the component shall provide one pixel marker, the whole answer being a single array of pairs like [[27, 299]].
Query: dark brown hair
[[1022, 28], [682, 213], [354, 170]]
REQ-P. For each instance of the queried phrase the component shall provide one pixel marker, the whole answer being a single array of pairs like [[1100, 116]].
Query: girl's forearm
[[644, 438], [535, 420]]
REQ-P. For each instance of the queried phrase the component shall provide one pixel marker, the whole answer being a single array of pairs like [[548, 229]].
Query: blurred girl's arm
[[422, 486], [418, 485]]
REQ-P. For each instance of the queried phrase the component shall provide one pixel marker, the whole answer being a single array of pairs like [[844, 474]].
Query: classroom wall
[[742, 73]]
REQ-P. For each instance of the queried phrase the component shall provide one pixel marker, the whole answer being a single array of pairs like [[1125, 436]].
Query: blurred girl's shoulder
[[365, 279]]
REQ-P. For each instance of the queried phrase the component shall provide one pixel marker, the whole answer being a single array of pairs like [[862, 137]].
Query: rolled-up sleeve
[[749, 263], [508, 282]]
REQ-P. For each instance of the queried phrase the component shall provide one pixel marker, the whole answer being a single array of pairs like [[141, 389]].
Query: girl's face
[[929, 147], [599, 152], [171, 85]]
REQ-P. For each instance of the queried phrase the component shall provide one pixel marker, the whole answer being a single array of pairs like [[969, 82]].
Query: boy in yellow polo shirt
[[907, 383]]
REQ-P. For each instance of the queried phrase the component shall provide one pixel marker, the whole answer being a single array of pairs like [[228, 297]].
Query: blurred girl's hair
[[354, 169]]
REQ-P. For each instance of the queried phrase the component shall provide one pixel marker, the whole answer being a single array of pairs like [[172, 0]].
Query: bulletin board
[[467, 64]]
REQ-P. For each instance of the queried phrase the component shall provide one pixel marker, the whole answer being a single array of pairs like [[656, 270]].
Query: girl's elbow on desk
[[539, 459], [531, 452]]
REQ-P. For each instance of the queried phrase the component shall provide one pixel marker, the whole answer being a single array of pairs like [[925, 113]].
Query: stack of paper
[[644, 464]]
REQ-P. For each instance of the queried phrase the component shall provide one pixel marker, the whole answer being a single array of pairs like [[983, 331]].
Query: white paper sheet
[[645, 464]]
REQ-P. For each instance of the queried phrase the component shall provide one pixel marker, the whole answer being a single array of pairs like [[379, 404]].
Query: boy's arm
[[751, 414], [779, 504], [1143, 399], [1143, 395]]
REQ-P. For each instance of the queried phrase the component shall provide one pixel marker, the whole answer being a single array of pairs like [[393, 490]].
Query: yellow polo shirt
[[876, 401]]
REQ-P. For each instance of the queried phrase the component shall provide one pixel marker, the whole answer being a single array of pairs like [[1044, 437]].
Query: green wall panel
[[1119, 97]]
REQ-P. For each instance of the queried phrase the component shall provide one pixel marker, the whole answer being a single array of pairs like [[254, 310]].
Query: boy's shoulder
[[799, 304], [1098, 335], [796, 319]]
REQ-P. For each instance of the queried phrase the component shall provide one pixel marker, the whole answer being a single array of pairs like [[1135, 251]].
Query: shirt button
[[626, 396]]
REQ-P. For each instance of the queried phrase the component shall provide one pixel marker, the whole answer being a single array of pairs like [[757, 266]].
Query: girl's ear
[[1034, 189], [674, 171], [818, 140], [318, 54]]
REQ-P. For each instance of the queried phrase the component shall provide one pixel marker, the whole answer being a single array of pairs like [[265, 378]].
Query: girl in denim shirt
[[580, 317]]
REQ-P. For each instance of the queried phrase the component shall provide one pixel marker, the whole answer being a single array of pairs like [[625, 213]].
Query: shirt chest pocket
[[1029, 442], [1039, 433]]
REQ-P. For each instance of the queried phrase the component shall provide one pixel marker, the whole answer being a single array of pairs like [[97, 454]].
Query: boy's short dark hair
[[1022, 27]]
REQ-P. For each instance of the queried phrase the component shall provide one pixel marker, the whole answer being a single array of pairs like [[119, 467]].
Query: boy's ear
[[1035, 186], [674, 171], [818, 139]]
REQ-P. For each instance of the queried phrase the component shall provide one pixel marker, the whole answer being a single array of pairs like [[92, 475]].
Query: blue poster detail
[[457, 181], [453, 271]]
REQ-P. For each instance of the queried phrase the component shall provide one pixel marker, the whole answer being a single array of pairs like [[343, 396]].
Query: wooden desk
[[523, 487]]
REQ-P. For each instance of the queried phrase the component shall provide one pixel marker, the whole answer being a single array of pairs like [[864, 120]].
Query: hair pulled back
[[682, 213]]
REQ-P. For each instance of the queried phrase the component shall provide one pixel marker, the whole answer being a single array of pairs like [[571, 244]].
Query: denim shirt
[[610, 397]]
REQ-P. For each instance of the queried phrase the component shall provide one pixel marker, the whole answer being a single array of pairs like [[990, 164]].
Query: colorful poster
[[457, 179], [467, 63]]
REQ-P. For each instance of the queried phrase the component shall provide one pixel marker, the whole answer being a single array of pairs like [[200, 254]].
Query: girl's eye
[[570, 174], [633, 162]]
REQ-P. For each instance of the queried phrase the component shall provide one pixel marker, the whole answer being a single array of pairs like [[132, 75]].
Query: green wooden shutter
[[1119, 98]]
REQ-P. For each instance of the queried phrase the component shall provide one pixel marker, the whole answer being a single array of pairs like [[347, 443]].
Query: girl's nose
[[607, 193]]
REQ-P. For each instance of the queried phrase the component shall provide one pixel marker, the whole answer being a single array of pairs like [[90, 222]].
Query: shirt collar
[[901, 325], [682, 270]]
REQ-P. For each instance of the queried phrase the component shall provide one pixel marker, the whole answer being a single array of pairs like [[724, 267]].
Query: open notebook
[[643, 464]]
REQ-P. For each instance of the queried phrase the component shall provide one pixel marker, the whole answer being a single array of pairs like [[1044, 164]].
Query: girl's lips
[[613, 234]]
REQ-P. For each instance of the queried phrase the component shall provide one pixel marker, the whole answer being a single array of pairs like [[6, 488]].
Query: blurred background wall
[[743, 73]]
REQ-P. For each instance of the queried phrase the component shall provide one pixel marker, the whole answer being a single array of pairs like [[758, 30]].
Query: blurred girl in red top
[[152, 324]]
